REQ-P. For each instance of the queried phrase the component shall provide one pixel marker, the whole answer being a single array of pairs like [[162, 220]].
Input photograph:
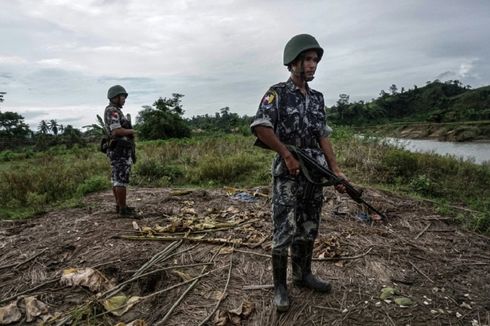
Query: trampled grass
[[49, 179]]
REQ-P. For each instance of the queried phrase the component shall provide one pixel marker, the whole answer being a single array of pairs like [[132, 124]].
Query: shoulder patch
[[269, 99]]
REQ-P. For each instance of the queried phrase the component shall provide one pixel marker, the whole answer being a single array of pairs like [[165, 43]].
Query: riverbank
[[478, 131]]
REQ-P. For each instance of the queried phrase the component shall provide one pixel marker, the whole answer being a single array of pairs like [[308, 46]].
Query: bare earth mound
[[204, 253]]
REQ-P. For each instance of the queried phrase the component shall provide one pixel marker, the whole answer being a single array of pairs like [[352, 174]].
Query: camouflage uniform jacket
[[114, 118], [297, 119]]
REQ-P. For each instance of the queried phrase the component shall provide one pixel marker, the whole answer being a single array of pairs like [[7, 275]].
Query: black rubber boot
[[302, 252], [279, 272], [127, 212]]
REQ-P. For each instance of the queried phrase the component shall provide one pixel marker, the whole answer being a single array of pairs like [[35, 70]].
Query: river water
[[475, 152]]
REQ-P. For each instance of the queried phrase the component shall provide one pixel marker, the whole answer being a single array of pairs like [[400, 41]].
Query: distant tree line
[[435, 102], [163, 120]]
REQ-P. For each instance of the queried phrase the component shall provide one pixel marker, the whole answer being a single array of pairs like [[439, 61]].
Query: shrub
[[151, 170], [224, 169], [93, 184]]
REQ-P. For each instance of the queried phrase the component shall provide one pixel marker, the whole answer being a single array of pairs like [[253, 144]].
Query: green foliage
[[157, 172], [93, 184], [224, 121], [436, 102], [399, 164], [13, 130], [43, 180], [423, 185], [164, 120], [224, 169]]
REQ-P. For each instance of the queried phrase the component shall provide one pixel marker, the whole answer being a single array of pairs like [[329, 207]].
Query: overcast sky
[[59, 57]]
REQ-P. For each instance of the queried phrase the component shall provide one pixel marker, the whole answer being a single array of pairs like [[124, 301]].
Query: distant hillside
[[448, 101]]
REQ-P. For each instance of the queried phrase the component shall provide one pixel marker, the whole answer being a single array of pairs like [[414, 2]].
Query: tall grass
[[39, 182]]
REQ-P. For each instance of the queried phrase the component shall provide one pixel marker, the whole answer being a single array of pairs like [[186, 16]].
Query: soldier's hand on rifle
[[340, 187], [292, 164]]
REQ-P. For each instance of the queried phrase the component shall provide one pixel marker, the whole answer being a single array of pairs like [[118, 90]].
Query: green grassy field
[[37, 182]]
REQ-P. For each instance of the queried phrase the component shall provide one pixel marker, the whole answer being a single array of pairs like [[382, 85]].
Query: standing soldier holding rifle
[[291, 113], [120, 151]]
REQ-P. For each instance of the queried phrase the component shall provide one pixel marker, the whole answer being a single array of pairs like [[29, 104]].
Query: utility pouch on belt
[[104, 145]]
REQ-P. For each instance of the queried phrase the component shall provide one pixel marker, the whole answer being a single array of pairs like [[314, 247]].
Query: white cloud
[[12, 60]]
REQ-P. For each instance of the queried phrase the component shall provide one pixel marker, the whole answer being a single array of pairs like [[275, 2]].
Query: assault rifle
[[309, 164]]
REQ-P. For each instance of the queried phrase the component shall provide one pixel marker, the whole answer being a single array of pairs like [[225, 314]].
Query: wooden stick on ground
[[17, 265], [192, 239], [423, 231], [171, 310], [420, 272], [222, 295], [53, 280], [314, 259]]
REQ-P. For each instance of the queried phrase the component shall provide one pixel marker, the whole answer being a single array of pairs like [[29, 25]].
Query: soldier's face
[[122, 100], [308, 65]]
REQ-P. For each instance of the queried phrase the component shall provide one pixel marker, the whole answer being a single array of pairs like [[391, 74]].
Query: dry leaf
[[234, 317], [226, 250], [118, 305], [10, 314], [182, 275], [34, 308], [88, 277], [215, 295]]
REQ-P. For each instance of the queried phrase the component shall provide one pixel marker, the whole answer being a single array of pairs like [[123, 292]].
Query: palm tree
[[1, 96], [43, 127], [98, 128], [53, 125]]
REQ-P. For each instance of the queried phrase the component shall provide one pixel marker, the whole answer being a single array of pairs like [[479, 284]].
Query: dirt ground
[[442, 269]]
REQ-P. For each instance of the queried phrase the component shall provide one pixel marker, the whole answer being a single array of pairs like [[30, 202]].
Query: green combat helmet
[[298, 44], [115, 91]]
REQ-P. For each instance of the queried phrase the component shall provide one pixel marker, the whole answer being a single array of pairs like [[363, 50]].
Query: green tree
[[13, 131], [53, 126], [163, 120], [342, 105], [43, 127], [72, 136], [1, 96], [393, 89]]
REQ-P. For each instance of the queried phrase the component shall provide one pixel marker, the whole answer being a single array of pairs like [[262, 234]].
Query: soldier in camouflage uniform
[[291, 113], [121, 147]]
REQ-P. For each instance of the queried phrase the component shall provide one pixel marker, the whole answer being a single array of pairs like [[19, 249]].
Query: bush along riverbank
[[454, 132], [54, 179]]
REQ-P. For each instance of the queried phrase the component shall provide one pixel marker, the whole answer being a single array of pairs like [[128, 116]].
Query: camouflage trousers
[[296, 211], [121, 163]]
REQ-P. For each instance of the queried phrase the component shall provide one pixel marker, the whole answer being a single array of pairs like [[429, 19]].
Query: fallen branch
[[314, 259], [211, 241], [222, 296], [17, 265], [119, 287], [344, 257], [258, 287], [170, 311], [420, 272], [53, 280], [253, 253], [423, 231]]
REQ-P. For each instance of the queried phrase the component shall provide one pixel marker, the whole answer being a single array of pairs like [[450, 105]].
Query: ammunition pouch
[[104, 145], [121, 146]]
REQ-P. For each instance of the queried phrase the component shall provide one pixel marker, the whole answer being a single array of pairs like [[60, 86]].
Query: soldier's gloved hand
[[292, 164], [340, 187]]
